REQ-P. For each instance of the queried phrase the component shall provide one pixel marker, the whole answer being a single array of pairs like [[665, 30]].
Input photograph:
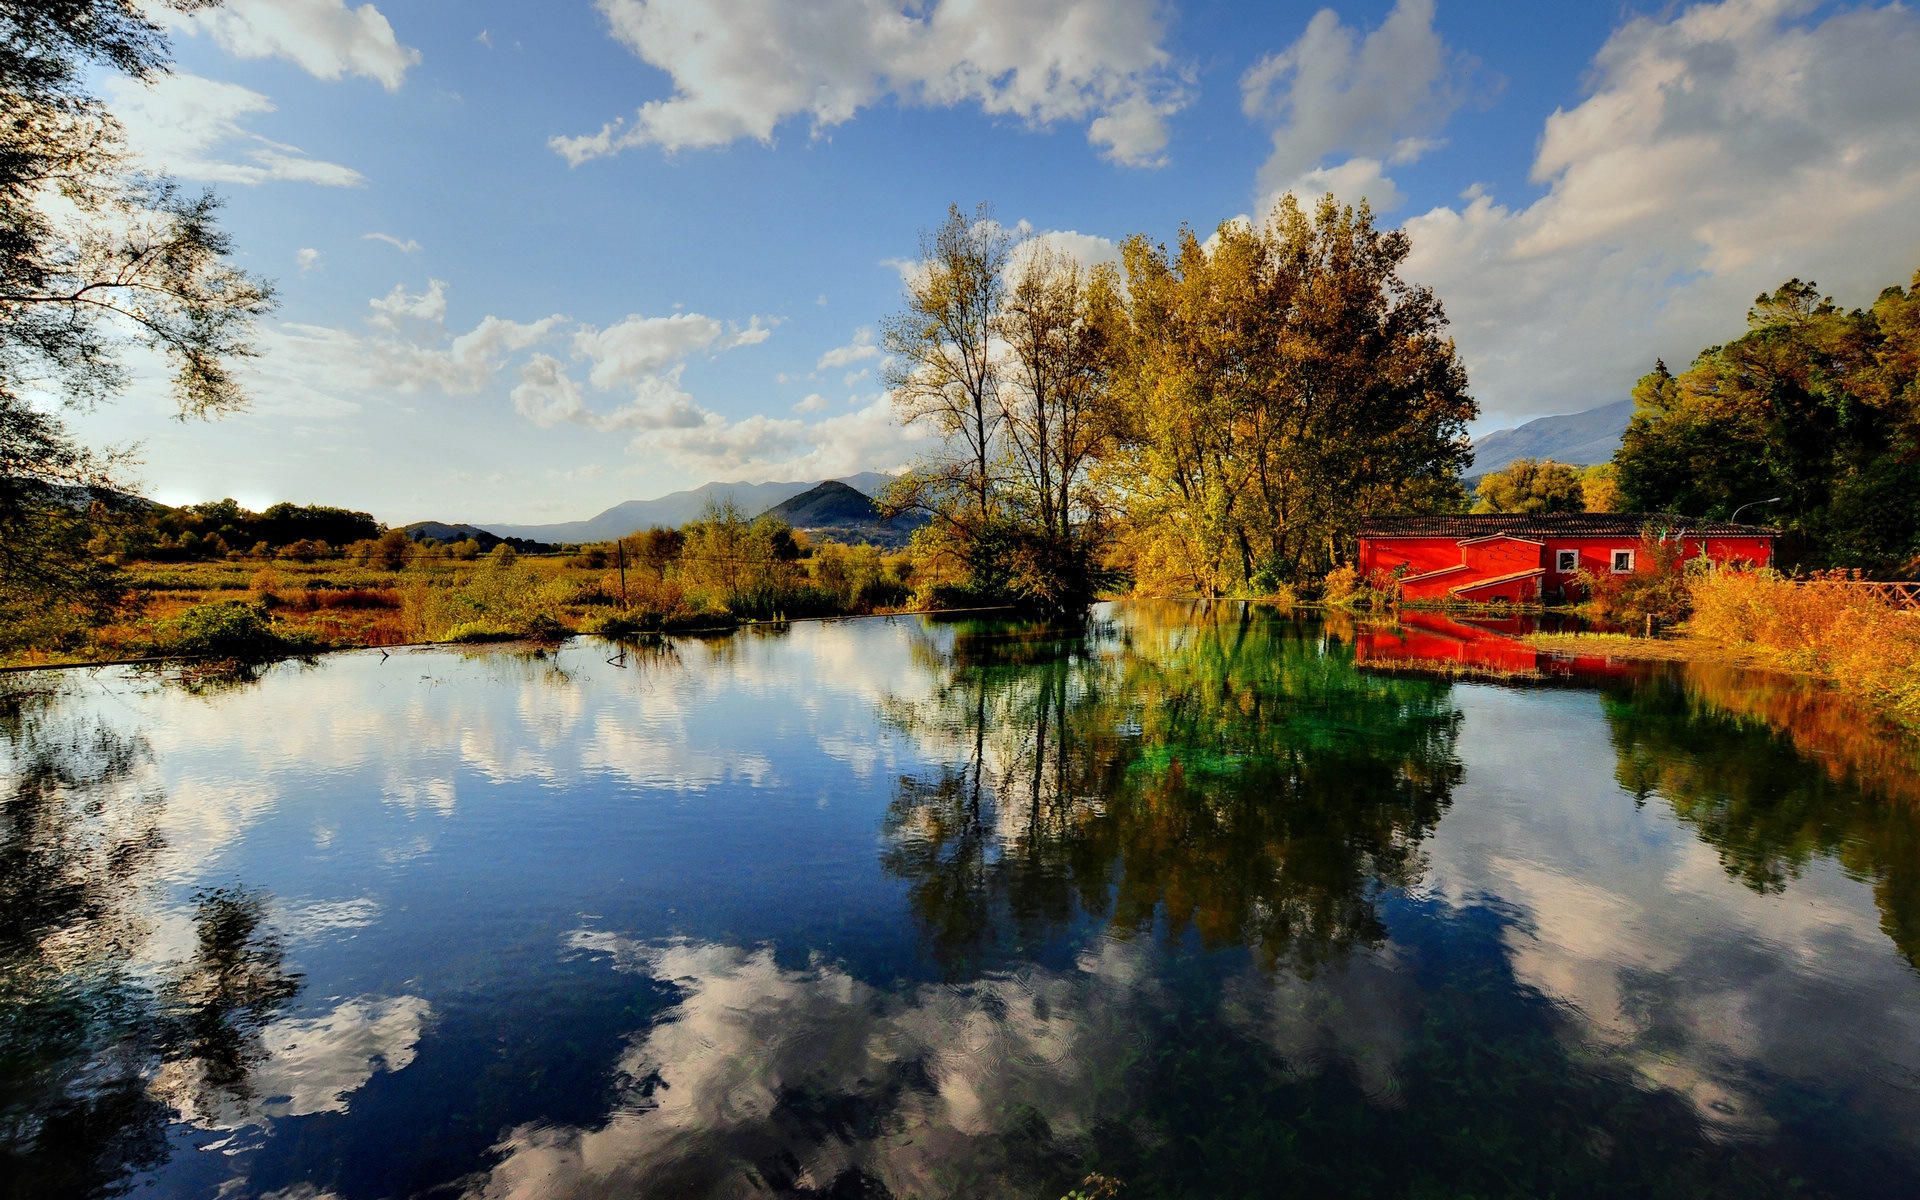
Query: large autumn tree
[[1282, 383], [1815, 405], [95, 255]]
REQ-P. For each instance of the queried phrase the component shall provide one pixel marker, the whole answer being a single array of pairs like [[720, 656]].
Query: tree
[[1282, 383], [1057, 325], [1600, 487], [944, 370], [1529, 485], [95, 254], [1814, 404]]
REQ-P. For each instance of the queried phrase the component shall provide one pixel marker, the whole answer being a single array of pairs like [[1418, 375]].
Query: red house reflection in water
[[1438, 642]]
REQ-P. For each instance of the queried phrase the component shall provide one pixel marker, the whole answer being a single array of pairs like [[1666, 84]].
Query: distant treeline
[[224, 529]]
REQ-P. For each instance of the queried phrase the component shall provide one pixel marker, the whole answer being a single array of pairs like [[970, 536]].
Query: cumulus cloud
[[869, 437], [196, 128], [636, 348], [1331, 92], [308, 258], [743, 67], [1721, 151], [547, 395], [862, 347], [327, 38]]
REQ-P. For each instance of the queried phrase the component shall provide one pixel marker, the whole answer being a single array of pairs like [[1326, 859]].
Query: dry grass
[[1643, 649], [1865, 646]]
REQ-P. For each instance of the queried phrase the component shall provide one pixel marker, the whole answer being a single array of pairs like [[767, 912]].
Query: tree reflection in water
[[1231, 775], [1773, 778], [84, 1039]]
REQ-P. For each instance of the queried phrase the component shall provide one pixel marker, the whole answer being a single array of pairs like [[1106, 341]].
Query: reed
[[1823, 626]]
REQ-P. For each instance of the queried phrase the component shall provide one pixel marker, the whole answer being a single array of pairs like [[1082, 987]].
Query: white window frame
[[1566, 562], [1614, 558]]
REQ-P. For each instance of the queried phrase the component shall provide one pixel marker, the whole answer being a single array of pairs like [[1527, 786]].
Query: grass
[[1825, 626], [1862, 647], [253, 608]]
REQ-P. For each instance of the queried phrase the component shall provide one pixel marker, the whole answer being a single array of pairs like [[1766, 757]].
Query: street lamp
[[1735, 518]]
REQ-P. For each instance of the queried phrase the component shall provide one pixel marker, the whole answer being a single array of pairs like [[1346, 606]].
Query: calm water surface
[[891, 908]]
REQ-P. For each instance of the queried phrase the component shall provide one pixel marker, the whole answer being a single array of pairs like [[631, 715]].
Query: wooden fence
[[1904, 596]]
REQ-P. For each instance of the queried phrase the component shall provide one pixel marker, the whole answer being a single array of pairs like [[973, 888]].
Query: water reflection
[[1768, 810], [1186, 896], [1213, 769], [103, 1045]]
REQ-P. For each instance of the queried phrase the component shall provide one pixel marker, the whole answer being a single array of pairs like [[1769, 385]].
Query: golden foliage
[[1828, 625]]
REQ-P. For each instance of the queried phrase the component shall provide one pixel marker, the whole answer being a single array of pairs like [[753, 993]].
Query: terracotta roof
[[1537, 525]]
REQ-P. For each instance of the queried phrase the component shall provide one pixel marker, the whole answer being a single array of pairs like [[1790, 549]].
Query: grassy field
[[279, 606]]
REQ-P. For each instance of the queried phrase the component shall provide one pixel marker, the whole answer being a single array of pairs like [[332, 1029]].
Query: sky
[[536, 259]]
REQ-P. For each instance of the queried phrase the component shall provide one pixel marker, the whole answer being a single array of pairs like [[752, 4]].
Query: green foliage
[[96, 250], [747, 567], [1813, 404], [1531, 486], [1281, 383], [506, 597], [225, 629]]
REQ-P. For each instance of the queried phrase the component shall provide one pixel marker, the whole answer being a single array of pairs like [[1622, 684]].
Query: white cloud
[[634, 350], [870, 437], [1350, 182], [812, 403], [862, 347], [742, 67], [195, 128], [327, 38], [1721, 152], [308, 258], [1333, 92], [547, 395], [403, 245], [399, 304]]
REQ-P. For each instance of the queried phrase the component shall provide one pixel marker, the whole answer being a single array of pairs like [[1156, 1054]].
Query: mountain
[[676, 509], [844, 514], [1579, 439]]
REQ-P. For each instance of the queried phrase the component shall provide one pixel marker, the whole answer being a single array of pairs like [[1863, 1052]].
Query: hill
[[1578, 439], [845, 514], [675, 509]]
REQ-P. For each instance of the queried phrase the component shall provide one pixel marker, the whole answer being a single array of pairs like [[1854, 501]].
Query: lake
[[1187, 898]]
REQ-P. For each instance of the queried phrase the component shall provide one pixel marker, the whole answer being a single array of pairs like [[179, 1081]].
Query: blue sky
[[535, 259]]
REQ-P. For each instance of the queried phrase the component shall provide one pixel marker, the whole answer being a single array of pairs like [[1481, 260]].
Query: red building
[[1523, 558]]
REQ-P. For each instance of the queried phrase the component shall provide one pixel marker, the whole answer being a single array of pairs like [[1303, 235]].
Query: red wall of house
[[1504, 556], [1487, 557], [1418, 554]]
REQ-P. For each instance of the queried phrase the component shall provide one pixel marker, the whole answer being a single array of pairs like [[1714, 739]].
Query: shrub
[[224, 629], [1341, 585], [390, 551], [1657, 587], [1824, 625]]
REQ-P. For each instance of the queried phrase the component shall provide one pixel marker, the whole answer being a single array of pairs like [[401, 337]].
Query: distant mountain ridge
[[1578, 439], [677, 508]]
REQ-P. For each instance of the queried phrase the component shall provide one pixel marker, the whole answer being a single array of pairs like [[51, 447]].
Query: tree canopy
[[1528, 485], [1815, 405], [1281, 384], [95, 255]]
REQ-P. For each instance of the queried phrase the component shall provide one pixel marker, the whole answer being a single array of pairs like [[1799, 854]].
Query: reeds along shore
[[1826, 626]]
